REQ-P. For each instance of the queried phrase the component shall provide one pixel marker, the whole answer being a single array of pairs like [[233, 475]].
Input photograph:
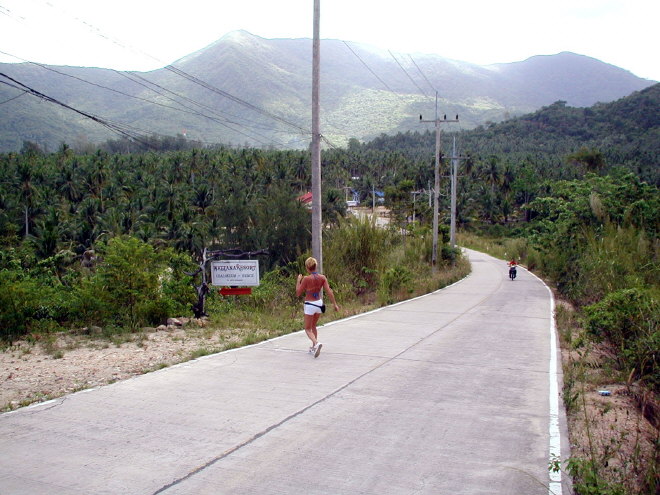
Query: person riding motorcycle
[[512, 268]]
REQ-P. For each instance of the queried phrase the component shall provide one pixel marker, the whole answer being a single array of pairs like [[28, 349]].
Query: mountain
[[244, 89]]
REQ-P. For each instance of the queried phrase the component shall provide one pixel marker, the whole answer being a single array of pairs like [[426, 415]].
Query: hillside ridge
[[365, 91]]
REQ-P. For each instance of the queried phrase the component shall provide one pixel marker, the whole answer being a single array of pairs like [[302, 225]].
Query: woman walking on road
[[312, 285]]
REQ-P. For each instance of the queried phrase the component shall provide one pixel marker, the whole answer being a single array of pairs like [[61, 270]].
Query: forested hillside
[[244, 89], [623, 133]]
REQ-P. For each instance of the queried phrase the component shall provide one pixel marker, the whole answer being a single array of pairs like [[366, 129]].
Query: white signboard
[[244, 273]]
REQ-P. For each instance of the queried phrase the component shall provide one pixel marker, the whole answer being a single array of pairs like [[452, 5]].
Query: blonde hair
[[310, 264]]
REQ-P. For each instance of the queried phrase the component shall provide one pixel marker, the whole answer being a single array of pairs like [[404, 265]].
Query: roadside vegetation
[[596, 241], [106, 241]]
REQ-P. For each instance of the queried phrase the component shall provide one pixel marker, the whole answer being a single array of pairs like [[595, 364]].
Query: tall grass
[[355, 253], [367, 266], [619, 258]]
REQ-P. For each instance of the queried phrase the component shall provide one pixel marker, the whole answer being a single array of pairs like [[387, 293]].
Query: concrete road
[[451, 393]]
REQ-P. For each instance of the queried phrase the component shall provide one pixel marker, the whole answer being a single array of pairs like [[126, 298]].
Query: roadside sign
[[236, 291], [235, 273]]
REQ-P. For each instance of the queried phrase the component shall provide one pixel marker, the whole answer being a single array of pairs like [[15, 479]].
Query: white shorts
[[313, 307]]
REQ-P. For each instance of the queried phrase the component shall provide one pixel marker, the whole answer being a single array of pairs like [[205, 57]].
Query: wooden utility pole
[[317, 241], [455, 159], [436, 188], [454, 171]]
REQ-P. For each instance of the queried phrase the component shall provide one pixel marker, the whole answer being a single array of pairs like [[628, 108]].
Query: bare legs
[[310, 327]]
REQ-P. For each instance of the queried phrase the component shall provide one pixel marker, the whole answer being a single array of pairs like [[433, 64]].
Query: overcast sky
[[147, 34]]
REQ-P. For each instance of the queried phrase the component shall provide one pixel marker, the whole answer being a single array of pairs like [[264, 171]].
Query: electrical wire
[[233, 98], [51, 69], [187, 111], [187, 76], [23, 91], [422, 74], [160, 90], [117, 128], [406, 73], [12, 99], [370, 70], [224, 122]]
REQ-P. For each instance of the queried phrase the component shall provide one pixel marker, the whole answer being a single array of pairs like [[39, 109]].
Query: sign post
[[228, 272]]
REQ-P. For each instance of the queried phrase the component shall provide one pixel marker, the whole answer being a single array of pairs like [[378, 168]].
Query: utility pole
[[414, 195], [436, 189], [454, 174], [317, 241]]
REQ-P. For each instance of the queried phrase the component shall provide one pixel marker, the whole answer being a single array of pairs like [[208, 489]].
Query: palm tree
[[98, 176], [69, 183], [29, 192], [492, 172], [302, 171], [202, 197], [47, 234]]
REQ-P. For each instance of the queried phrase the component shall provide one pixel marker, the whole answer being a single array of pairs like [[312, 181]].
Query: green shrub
[[396, 278], [276, 289], [13, 306], [629, 319], [31, 301], [617, 258], [175, 284], [417, 250], [449, 253], [588, 480], [87, 305], [134, 286], [355, 252]]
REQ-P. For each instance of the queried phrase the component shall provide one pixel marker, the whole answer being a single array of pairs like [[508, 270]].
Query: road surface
[[452, 393]]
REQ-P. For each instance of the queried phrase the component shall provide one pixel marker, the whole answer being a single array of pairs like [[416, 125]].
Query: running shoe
[[317, 350]]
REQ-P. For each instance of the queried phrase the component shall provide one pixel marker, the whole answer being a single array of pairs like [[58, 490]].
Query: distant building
[[355, 199], [306, 199]]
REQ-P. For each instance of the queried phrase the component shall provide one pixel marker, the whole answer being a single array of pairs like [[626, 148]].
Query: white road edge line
[[554, 453]]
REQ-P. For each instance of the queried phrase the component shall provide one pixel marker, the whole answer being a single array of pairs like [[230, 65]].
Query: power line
[[161, 90], [224, 123], [181, 73], [406, 73], [422, 74], [12, 99], [117, 128], [23, 91], [369, 69], [188, 111], [185, 75], [45, 67], [97, 32], [233, 98]]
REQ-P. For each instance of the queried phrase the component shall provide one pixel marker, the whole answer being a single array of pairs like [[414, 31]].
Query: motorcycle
[[512, 272]]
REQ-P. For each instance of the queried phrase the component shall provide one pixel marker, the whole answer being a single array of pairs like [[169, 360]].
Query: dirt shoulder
[[36, 371], [616, 445]]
